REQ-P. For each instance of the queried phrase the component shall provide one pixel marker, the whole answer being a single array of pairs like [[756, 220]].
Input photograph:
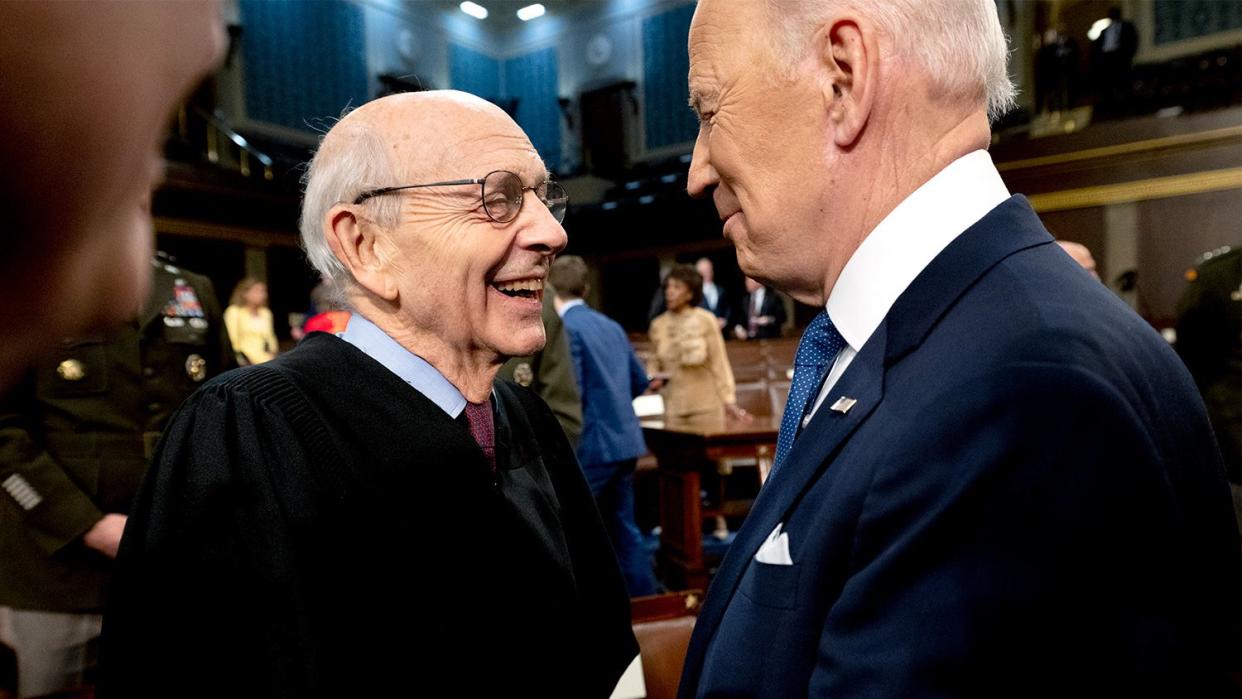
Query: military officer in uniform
[[75, 435], [1209, 340], [550, 373]]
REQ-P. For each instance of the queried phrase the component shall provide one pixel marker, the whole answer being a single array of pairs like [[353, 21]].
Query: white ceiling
[[502, 14]]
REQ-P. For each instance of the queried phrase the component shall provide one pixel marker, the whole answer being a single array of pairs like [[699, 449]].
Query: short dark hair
[[569, 276], [688, 275]]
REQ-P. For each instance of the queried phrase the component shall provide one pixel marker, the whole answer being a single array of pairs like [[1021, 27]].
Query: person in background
[[550, 372], [1080, 254], [330, 315], [992, 479], [86, 91], [375, 515], [1112, 62], [764, 313], [75, 436], [1209, 341], [8, 672], [250, 324], [714, 298], [609, 377], [690, 354]]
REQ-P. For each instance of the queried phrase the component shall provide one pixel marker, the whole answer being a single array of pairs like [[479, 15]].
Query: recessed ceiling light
[[530, 12], [1098, 27], [474, 9]]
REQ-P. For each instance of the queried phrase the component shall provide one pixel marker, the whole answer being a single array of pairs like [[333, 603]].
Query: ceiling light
[[474, 9], [530, 12], [1098, 28]]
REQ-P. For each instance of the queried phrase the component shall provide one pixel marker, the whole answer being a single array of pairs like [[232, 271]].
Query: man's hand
[[739, 332], [105, 536]]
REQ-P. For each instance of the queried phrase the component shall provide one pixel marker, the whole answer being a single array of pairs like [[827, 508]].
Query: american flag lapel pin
[[843, 405]]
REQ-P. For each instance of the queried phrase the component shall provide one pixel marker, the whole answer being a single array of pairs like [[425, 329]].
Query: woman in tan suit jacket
[[690, 351]]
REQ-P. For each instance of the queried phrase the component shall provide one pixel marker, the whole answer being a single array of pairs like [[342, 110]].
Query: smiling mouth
[[521, 288]]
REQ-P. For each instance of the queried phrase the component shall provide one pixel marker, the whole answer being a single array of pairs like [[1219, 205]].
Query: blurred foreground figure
[[374, 514], [75, 436], [86, 89]]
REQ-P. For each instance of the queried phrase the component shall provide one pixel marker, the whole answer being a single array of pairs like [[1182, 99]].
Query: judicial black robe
[[314, 526]]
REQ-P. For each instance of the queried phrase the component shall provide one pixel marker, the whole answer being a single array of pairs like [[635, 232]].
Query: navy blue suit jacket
[[1026, 500], [609, 377]]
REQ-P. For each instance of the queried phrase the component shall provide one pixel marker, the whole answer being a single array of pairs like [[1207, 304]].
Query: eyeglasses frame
[[479, 181]]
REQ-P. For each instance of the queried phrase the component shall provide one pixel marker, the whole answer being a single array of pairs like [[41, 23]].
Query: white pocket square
[[775, 549]]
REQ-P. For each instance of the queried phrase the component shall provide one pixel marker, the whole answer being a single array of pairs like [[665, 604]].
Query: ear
[[850, 55], [357, 244]]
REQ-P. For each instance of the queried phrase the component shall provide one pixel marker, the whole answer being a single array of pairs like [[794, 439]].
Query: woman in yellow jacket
[[691, 352], [249, 322]]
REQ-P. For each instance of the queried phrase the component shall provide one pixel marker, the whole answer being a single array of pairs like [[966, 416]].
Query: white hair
[[959, 43], [355, 162]]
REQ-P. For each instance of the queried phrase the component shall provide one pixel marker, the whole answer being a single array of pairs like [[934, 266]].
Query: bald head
[[401, 139], [419, 129], [434, 214], [1081, 255]]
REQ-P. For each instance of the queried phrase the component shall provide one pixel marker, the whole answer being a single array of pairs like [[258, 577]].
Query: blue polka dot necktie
[[816, 352]]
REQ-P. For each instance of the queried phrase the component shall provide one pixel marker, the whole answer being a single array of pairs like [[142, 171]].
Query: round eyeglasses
[[502, 193]]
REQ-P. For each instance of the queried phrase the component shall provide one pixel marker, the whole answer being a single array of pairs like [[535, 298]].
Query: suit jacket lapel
[[1009, 228], [812, 453]]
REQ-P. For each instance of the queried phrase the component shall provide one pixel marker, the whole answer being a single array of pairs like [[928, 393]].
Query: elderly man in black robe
[[374, 514]]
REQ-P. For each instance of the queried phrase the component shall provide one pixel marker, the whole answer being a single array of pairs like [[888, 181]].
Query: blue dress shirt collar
[[412, 369]]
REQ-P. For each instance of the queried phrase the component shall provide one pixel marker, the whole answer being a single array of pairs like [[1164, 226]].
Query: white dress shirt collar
[[564, 307], [908, 239], [711, 294], [756, 300]]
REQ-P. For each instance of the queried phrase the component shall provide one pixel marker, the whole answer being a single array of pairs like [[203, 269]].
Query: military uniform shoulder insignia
[[1213, 254], [71, 370], [158, 263], [196, 368], [185, 303], [523, 375], [20, 490]]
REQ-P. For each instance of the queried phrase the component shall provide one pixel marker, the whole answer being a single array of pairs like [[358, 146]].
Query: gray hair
[[959, 43], [355, 162]]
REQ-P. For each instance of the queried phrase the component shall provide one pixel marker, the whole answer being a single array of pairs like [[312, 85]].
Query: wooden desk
[[685, 452]]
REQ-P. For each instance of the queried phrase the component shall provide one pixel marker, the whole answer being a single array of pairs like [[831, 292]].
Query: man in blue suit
[[609, 377], [992, 478]]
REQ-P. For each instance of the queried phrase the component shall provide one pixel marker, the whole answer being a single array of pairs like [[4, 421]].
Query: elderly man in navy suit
[[609, 377], [992, 478]]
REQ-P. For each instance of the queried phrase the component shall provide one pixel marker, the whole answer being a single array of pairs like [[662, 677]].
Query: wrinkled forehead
[[459, 142], [720, 41]]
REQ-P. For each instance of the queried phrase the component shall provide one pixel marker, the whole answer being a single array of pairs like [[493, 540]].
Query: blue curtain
[[531, 79], [304, 61], [474, 72], [667, 119]]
